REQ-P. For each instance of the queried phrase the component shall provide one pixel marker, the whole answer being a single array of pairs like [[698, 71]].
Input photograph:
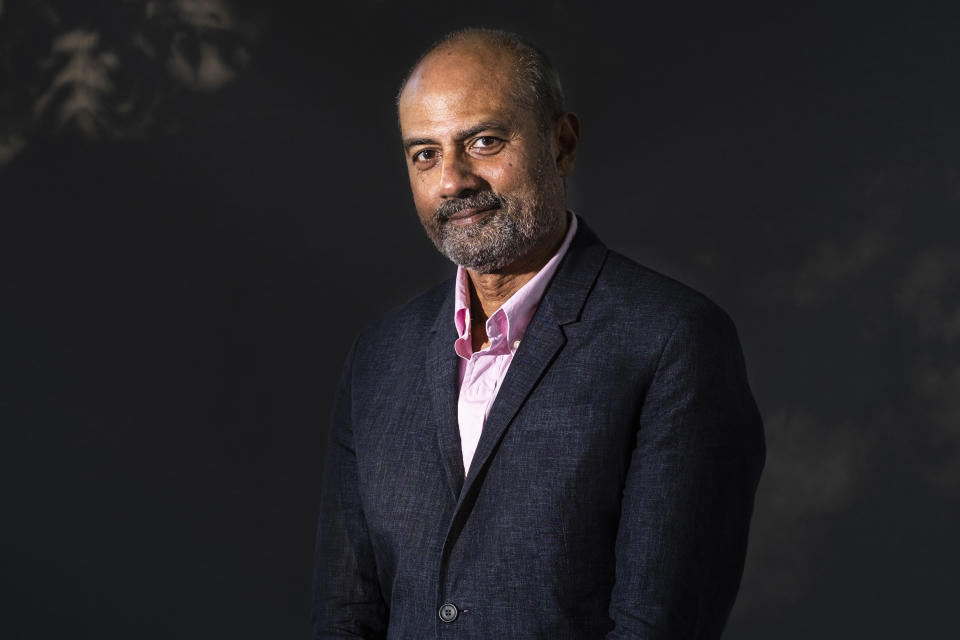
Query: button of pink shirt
[[482, 372]]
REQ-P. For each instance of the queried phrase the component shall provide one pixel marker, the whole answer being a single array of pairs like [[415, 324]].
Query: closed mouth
[[465, 216]]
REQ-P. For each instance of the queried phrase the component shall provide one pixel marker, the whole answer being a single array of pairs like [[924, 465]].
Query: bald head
[[526, 71]]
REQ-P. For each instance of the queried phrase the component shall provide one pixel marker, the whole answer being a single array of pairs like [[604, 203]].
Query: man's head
[[487, 144]]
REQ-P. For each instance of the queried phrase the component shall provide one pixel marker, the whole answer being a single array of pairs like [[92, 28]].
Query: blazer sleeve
[[347, 601], [690, 486]]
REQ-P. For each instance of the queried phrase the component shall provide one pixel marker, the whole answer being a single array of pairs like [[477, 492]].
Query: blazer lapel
[[544, 337], [441, 381]]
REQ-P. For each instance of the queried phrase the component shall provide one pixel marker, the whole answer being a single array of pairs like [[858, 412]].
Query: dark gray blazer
[[610, 493]]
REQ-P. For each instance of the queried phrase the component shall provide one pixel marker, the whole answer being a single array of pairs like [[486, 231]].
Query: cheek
[[418, 187], [502, 178], [514, 174], [424, 184]]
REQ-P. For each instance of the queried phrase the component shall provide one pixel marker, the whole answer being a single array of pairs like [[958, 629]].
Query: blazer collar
[[562, 304], [442, 376]]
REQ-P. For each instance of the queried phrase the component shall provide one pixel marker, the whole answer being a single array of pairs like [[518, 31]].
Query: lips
[[469, 216]]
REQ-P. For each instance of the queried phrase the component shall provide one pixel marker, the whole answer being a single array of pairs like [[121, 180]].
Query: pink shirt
[[482, 372]]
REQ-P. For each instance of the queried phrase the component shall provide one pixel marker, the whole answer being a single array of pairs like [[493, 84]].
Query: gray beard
[[491, 244], [506, 234]]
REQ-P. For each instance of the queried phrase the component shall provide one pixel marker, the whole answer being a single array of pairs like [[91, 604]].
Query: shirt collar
[[505, 328]]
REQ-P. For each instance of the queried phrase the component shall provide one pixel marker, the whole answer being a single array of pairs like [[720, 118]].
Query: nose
[[457, 177]]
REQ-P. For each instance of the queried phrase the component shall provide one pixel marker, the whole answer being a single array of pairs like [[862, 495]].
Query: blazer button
[[448, 612]]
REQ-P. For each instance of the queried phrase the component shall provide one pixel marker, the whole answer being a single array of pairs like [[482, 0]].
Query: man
[[559, 443]]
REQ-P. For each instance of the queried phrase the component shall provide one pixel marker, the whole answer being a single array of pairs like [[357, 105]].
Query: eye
[[487, 144], [424, 158]]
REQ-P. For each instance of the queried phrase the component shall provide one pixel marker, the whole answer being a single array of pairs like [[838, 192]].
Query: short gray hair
[[537, 84]]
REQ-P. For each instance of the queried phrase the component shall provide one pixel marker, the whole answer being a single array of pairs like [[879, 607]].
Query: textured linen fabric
[[610, 493], [482, 372]]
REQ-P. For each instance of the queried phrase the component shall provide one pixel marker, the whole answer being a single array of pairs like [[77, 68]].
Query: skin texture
[[470, 146]]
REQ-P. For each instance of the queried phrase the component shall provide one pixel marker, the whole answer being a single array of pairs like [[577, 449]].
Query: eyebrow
[[461, 135]]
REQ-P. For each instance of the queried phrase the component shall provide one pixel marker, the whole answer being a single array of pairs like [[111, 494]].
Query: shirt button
[[516, 344], [448, 612]]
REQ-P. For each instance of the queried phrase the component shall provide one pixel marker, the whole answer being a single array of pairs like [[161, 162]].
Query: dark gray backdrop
[[186, 256]]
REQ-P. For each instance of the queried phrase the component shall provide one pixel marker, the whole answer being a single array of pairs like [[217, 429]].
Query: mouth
[[470, 216]]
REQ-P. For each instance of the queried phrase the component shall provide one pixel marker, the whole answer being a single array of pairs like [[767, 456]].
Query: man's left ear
[[566, 136]]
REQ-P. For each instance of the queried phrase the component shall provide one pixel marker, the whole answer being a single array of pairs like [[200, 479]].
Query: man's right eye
[[424, 156]]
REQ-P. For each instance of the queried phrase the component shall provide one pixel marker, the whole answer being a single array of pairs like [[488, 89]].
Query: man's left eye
[[487, 143]]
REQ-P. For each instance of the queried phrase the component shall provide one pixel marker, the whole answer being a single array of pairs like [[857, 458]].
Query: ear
[[566, 136]]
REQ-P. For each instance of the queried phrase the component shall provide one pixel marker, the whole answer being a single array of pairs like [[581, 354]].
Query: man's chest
[[571, 436]]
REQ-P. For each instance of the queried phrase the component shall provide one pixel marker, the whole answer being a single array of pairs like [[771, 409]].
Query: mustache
[[479, 201]]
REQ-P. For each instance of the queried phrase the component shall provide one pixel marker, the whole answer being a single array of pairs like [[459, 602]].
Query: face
[[485, 178]]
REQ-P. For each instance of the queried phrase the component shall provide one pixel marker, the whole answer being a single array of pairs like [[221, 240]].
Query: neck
[[488, 291]]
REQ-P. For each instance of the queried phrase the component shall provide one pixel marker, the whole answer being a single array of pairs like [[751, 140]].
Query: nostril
[[460, 195]]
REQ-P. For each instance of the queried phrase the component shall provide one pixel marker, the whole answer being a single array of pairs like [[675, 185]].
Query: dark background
[[192, 231]]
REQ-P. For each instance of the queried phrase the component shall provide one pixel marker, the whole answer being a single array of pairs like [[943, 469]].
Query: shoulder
[[629, 296], [671, 331], [648, 299]]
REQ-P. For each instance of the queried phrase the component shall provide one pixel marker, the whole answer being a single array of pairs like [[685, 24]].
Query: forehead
[[457, 86]]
